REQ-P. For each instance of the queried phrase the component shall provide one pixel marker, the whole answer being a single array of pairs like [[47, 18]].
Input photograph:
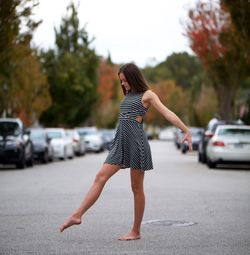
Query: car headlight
[[12, 144]]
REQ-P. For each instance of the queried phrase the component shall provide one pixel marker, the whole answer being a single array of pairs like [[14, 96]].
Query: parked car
[[178, 135], [167, 134], [79, 146], [108, 136], [43, 149], [61, 144], [15, 144], [230, 143], [208, 134], [196, 133], [93, 138]]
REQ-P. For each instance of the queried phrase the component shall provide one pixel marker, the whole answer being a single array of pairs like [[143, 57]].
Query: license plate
[[238, 145]]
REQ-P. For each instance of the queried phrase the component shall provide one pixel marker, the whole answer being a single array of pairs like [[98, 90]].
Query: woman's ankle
[[77, 214], [136, 231]]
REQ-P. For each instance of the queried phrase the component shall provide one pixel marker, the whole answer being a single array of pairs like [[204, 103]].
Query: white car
[[230, 143], [93, 138], [62, 145], [79, 146], [167, 134]]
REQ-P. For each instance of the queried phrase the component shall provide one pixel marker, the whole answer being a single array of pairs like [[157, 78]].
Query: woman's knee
[[137, 188], [137, 178], [101, 178]]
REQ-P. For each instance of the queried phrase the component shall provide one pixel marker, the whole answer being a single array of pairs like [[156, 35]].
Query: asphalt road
[[190, 209]]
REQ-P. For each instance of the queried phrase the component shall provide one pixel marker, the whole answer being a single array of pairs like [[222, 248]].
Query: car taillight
[[209, 135], [218, 143]]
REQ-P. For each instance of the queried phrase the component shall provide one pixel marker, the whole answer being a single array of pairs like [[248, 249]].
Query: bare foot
[[130, 236], [72, 220]]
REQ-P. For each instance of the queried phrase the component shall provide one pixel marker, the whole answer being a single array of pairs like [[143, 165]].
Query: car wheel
[[183, 150], [30, 162], [100, 150], [211, 164], [45, 157], [64, 155], [199, 158], [202, 158], [51, 157], [22, 163]]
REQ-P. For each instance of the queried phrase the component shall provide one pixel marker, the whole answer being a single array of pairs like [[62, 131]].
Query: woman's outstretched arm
[[153, 100]]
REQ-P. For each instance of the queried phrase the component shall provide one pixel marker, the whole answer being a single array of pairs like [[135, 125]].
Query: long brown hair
[[134, 78]]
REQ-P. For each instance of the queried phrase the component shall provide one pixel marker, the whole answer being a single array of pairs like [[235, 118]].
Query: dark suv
[[15, 144]]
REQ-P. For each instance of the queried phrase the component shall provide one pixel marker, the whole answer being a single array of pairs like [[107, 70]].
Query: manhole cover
[[175, 223]]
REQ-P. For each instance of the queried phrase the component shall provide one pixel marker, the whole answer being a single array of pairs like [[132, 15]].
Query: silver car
[[93, 138], [77, 141], [230, 143]]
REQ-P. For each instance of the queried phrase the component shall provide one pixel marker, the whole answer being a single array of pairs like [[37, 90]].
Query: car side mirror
[[25, 138]]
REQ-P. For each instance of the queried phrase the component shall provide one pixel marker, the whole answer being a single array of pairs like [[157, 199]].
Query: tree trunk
[[225, 96]]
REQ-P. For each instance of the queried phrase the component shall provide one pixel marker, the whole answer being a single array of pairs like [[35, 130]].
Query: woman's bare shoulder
[[148, 96]]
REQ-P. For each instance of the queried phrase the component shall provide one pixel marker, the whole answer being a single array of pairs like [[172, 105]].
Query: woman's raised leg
[[137, 178], [101, 178]]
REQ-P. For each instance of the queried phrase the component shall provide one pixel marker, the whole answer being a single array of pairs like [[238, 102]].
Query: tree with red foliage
[[106, 108], [107, 77], [213, 39]]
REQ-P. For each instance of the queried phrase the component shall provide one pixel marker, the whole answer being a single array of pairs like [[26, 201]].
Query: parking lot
[[190, 209]]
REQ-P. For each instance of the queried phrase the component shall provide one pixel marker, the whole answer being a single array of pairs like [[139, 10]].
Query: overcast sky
[[143, 31]]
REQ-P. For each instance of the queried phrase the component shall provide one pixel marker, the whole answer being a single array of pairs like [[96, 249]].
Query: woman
[[130, 148]]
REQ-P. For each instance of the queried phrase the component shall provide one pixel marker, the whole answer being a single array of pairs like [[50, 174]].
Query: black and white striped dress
[[130, 147]]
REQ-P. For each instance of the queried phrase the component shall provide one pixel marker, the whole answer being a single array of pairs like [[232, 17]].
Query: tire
[[30, 162], [64, 155], [183, 150], [51, 158], [22, 162], [45, 159], [200, 158], [211, 164]]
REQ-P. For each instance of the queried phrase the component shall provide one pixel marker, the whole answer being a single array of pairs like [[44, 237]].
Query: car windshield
[[196, 132], [234, 132], [87, 132], [69, 133], [54, 134], [37, 135], [9, 129]]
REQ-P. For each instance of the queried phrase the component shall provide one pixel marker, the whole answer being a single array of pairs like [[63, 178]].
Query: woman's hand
[[187, 137]]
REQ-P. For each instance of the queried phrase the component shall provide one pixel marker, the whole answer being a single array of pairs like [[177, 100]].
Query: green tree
[[72, 73], [240, 13], [21, 79], [185, 69]]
